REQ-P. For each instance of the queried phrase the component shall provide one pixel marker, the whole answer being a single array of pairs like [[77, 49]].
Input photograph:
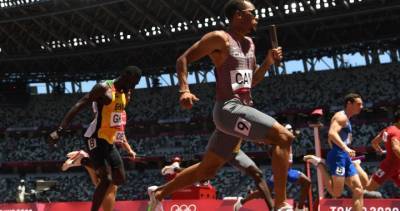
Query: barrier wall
[[369, 205], [169, 205], [201, 205]]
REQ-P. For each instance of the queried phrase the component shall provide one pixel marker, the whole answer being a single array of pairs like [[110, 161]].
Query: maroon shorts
[[385, 172]]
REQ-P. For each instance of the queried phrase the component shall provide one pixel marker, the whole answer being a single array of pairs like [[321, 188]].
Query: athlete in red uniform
[[389, 169]]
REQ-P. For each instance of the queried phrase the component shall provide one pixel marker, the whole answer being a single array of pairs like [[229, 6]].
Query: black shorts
[[102, 153]]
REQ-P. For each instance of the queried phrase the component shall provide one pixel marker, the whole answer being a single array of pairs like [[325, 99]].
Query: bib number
[[243, 126], [92, 143], [340, 171], [120, 136]]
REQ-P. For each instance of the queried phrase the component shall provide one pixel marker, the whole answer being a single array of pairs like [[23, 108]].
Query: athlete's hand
[[187, 99], [274, 56], [351, 152], [167, 170], [132, 154], [380, 151], [54, 137]]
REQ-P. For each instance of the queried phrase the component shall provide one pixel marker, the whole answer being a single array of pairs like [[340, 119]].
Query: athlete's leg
[[92, 175], [220, 149], [282, 139], [109, 200], [204, 170], [354, 183], [254, 195], [249, 123], [99, 151], [333, 184], [362, 174], [246, 165], [305, 184], [372, 185], [337, 186], [101, 189], [262, 186]]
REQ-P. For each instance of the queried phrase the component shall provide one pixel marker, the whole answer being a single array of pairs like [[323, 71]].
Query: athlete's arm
[[127, 147], [272, 56], [375, 143], [209, 43], [396, 146], [97, 91], [337, 123]]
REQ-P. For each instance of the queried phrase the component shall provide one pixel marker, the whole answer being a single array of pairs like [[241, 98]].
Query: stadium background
[[51, 51]]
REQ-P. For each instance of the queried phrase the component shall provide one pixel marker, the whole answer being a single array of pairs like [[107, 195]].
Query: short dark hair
[[351, 97], [232, 6], [132, 71], [396, 116]]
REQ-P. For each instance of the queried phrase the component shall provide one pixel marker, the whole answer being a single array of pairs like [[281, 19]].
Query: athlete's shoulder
[[393, 130], [99, 88], [103, 85], [218, 34], [340, 117], [390, 129]]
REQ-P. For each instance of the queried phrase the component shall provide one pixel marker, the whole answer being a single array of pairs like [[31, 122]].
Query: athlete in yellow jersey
[[109, 99]]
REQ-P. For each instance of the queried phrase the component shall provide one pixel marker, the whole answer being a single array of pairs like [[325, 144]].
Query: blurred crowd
[[24, 129]]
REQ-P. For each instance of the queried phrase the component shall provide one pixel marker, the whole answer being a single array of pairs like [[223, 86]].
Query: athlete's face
[[128, 83], [356, 106], [248, 17]]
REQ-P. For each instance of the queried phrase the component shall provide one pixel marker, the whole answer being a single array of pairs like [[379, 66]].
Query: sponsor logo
[[183, 207], [334, 208], [16, 209]]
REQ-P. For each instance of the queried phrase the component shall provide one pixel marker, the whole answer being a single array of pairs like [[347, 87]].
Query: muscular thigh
[[224, 145], [242, 121], [97, 149], [114, 158], [338, 184], [353, 182]]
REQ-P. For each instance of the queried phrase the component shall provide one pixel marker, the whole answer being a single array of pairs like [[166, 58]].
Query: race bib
[[118, 119], [379, 173], [243, 126], [120, 136], [241, 79], [92, 143], [340, 171]]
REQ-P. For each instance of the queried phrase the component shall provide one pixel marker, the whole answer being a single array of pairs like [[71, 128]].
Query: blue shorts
[[292, 177], [339, 164]]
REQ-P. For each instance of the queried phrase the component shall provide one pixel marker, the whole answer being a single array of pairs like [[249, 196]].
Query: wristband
[[181, 91]]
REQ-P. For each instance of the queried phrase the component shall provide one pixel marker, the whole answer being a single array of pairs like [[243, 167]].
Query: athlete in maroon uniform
[[233, 54]]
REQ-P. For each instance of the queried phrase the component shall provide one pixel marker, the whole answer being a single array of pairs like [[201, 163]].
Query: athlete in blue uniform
[[341, 169]]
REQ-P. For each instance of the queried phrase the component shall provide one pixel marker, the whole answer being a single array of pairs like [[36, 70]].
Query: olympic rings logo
[[183, 207]]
